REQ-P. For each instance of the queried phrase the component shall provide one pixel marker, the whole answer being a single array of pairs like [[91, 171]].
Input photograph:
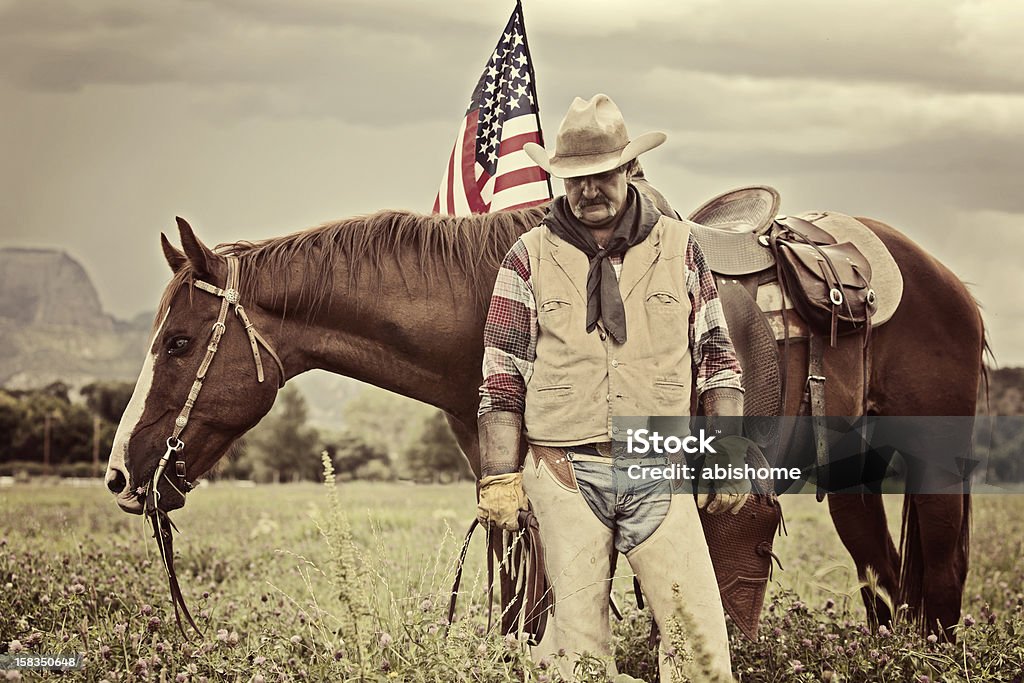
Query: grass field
[[287, 587]]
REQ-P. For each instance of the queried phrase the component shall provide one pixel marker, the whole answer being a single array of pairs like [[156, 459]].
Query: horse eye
[[177, 346]]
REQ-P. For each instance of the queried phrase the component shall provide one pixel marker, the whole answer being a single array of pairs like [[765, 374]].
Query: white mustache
[[577, 210]]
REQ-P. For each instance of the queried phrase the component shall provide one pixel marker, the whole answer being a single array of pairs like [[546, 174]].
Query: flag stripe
[[529, 193], [516, 142], [469, 170], [519, 125], [515, 161], [518, 177]]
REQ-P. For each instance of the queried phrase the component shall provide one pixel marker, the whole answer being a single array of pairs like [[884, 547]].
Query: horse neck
[[388, 325]]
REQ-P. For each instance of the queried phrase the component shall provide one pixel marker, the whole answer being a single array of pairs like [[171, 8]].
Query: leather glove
[[501, 499], [501, 494], [730, 494], [724, 410]]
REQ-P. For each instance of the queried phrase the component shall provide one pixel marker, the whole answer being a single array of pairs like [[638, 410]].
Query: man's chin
[[605, 222], [596, 216]]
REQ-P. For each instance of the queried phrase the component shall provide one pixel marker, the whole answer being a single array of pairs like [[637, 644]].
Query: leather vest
[[582, 381]]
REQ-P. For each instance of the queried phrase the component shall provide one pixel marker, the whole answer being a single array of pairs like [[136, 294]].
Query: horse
[[399, 300]]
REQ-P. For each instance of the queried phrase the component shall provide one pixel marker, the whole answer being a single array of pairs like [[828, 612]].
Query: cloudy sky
[[253, 118]]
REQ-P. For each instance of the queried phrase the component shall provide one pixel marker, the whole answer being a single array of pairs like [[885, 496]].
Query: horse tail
[[911, 560], [986, 353], [986, 377], [965, 536]]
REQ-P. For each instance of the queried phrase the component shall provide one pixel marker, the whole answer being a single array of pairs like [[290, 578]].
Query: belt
[[602, 453]]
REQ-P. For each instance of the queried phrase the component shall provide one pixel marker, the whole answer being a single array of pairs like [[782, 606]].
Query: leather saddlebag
[[829, 285]]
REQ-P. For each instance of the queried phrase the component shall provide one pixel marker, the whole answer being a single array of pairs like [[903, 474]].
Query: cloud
[[355, 47], [990, 35]]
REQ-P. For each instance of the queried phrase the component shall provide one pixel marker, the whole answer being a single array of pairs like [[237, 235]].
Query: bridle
[[175, 446]]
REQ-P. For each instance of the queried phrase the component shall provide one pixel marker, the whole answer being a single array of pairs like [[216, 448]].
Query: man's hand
[[729, 494], [501, 498]]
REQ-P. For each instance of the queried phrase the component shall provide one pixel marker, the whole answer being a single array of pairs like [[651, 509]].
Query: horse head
[[199, 388]]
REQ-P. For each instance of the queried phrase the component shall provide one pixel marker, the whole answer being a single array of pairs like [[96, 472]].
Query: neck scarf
[[604, 301]]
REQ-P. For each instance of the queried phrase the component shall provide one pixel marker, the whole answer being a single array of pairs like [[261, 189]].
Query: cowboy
[[604, 311]]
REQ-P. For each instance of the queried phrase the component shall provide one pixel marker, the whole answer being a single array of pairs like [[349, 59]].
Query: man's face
[[597, 199]]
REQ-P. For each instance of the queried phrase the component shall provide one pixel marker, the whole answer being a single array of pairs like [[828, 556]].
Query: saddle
[[827, 256]]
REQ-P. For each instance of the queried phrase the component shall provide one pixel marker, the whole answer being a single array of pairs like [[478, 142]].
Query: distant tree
[[1001, 437], [355, 458], [11, 416], [108, 399], [384, 420], [284, 447], [70, 427], [58, 390], [433, 454]]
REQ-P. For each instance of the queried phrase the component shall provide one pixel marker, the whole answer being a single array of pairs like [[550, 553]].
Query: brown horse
[[399, 300]]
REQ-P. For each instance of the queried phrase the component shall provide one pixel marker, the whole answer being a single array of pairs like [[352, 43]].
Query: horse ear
[[175, 259], [198, 254]]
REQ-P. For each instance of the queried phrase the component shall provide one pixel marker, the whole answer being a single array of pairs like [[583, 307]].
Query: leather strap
[[162, 532], [230, 297], [536, 594], [458, 575], [558, 465], [816, 389]]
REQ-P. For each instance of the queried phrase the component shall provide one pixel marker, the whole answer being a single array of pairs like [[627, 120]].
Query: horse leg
[[936, 518], [936, 535], [861, 523]]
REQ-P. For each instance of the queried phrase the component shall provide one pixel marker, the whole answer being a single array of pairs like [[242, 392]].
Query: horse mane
[[444, 245]]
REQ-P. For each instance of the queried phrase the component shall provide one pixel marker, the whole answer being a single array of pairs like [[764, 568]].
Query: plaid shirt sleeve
[[510, 335], [710, 345]]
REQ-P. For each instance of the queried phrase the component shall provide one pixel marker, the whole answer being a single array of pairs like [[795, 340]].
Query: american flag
[[488, 169]]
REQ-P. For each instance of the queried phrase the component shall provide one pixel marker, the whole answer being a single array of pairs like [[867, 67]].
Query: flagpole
[[533, 87]]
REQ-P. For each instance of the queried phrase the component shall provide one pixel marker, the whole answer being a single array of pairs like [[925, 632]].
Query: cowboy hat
[[592, 139]]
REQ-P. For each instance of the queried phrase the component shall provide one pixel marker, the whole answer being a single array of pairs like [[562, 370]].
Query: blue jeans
[[632, 507]]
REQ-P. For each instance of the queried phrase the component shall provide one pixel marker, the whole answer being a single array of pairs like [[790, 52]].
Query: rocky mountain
[[46, 287], [53, 327]]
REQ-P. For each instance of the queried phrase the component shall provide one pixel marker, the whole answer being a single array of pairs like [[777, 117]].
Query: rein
[[521, 574], [162, 525]]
